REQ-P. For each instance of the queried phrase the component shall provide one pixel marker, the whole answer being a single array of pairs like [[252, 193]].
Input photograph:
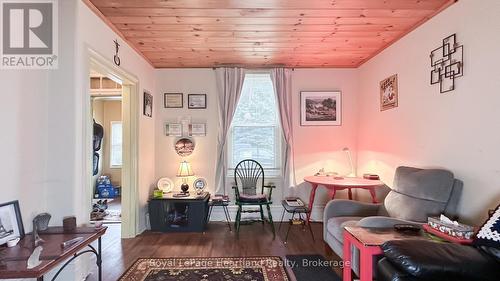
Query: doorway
[[106, 104], [128, 182]]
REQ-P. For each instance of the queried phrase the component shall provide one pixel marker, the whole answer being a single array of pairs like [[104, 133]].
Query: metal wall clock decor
[[447, 62]]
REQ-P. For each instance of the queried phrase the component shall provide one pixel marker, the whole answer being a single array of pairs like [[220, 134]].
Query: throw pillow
[[489, 234]]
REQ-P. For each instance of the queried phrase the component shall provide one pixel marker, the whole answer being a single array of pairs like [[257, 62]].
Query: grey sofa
[[416, 194]]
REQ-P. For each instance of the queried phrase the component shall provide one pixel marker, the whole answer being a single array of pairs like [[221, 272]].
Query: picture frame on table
[[11, 222], [147, 109], [173, 100], [321, 108], [197, 101]]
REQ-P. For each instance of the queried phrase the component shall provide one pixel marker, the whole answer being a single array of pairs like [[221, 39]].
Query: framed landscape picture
[[321, 108], [389, 93]]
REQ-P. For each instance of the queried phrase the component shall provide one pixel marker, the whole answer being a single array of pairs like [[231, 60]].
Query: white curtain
[[282, 83], [229, 85]]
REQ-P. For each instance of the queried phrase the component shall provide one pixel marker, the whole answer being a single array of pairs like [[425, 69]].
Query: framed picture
[[197, 101], [173, 129], [320, 108], [389, 93], [148, 104], [173, 100], [11, 223], [197, 129]]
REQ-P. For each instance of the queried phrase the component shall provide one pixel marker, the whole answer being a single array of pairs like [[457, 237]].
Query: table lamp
[[184, 172], [351, 174]]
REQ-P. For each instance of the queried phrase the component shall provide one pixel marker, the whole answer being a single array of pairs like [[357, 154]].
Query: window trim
[[111, 166], [269, 172]]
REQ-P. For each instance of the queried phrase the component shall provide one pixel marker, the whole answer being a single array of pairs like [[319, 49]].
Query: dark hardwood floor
[[217, 241]]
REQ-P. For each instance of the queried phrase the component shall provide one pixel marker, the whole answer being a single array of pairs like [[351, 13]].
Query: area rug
[[312, 268], [207, 269]]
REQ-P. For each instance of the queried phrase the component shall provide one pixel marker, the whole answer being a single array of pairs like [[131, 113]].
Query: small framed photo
[[197, 101], [173, 129], [197, 129], [173, 100], [148, 104], [320, 108], [11, 223], [389, 93]]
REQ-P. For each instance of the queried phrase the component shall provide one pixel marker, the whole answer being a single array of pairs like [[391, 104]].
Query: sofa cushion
[[427, 184], [429, 260], [258, 198], [387, 272], [419, 193], [409, 208], [336, 226], [489, 233]]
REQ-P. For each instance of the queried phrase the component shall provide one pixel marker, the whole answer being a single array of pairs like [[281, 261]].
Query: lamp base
[[351, 175], [185, 188]]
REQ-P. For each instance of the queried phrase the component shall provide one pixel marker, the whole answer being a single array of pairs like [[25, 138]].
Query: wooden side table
[[222, 204], [368, 241], [295, 210], [13, 260]]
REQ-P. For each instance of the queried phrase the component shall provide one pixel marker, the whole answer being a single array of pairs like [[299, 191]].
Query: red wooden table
[[368, 241], [335, 183]]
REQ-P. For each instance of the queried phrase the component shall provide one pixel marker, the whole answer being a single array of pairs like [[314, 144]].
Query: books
[[371, 177], [294, 202], [220, 198]]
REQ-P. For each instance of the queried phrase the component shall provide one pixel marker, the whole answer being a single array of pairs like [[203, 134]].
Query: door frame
[[130, 119]]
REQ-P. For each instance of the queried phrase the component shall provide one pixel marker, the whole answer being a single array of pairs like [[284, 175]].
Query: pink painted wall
[[457, 130], [319, 147]]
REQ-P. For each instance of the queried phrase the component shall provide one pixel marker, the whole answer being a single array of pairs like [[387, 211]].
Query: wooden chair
[[251, 191]]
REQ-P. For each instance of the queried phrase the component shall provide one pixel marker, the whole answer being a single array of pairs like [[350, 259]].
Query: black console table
[[179, 214]]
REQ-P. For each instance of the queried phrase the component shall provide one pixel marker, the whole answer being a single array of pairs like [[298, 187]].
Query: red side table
[[368, 241]]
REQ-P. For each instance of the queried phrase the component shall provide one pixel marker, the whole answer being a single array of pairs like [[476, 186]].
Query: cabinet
[[179, 214]]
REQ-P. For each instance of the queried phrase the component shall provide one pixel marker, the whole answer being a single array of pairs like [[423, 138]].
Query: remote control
[[407, 227]]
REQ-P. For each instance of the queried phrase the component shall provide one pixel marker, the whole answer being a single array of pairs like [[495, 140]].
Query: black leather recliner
[[418, 260]]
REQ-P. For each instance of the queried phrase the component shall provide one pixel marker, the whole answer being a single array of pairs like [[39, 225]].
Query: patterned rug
[[207, 269]]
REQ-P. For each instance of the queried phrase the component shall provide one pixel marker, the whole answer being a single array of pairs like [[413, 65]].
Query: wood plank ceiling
[[259, 33]]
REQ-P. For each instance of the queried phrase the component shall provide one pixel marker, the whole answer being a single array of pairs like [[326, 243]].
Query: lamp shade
[[185, 170]]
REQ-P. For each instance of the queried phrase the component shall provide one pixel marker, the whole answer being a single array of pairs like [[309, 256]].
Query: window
[[255, 129], [115, 155]]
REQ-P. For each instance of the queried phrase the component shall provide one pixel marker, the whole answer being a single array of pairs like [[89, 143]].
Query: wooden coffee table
[[368, 241]]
